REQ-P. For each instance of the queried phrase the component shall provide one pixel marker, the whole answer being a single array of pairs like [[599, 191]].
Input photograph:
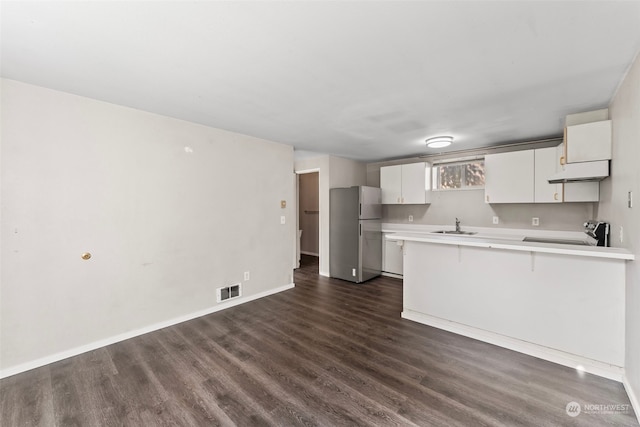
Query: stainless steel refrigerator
[[355, 248]]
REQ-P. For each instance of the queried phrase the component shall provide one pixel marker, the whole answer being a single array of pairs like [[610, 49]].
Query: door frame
[[298, 173]]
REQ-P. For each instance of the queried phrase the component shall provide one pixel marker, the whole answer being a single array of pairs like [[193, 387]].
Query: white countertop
[[503, 238]]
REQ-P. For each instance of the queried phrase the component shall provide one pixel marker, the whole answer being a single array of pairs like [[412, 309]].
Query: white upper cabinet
[[391, 184], [587, 137], [581, 191], [405, 184], [522, 177], [576, 191], [509, 177], [546, 164], [588, 142], [415, 180]]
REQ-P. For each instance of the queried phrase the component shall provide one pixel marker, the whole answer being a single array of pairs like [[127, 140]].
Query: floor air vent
[[228, 292]]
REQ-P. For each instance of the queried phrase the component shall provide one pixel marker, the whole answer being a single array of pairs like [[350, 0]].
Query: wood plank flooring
[[327, 353]]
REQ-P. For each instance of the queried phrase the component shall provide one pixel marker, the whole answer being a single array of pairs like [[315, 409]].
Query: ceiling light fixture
[[439, 141]]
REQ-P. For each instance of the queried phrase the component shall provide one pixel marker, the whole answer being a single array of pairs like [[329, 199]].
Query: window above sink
[[458, 175]]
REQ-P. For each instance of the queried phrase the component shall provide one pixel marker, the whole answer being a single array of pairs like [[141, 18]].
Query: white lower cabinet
[[567, 303], [392, 257]]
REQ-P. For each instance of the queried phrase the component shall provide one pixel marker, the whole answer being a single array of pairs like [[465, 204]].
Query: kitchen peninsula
[[558, 302]]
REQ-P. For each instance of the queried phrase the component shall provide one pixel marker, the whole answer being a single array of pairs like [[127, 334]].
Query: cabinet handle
[[487, 198], [555, 196], [562, 161]]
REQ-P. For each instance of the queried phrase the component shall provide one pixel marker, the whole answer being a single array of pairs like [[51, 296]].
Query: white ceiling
[[364, 80]]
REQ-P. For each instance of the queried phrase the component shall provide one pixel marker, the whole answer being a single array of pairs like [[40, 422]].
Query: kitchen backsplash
[[470, 208]]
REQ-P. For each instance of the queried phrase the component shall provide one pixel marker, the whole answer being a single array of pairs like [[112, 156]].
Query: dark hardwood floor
[[327, 353]]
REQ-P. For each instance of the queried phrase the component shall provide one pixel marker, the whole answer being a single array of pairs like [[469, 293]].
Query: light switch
[[283, 220], [496, 220]]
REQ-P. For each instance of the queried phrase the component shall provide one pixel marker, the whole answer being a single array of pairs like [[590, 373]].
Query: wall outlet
[[496, 220], [621, 234], [410, 218], [247, 276], [283, 220], [535, 221]]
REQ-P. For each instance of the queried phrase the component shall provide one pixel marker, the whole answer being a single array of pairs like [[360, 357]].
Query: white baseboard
[[541, 352], [130, 334], [310, 253], [633, 397], [394, 275]]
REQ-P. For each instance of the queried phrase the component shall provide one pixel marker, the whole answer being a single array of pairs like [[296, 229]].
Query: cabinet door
[[576, 191], [582, 192], [509, 177], [414, 183], [546, 164], [391, 184], [589, 142], [392, 262]]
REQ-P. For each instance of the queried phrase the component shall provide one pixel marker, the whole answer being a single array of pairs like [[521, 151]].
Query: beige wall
[[309, 213], [333, 172], [625, 176], [170, 211], [346, 173]]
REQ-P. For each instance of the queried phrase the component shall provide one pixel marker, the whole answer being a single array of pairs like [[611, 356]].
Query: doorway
[[308, 215]]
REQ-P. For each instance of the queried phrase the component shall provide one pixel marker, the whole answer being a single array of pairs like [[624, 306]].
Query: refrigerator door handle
[[360, 210], [361, 229]]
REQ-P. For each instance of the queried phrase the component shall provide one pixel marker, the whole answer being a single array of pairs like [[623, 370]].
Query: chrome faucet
[[457, 225]]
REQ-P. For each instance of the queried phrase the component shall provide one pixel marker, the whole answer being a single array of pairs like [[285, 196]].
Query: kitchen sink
[[560, 241], [464, 233]]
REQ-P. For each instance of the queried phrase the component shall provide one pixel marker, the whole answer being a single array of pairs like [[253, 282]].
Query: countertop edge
[[585, 251]]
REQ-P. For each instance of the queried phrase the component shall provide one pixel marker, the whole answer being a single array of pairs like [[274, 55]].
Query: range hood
[[581, 172]]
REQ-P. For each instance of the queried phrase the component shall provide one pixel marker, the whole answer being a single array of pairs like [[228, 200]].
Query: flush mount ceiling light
[[439, 141]]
